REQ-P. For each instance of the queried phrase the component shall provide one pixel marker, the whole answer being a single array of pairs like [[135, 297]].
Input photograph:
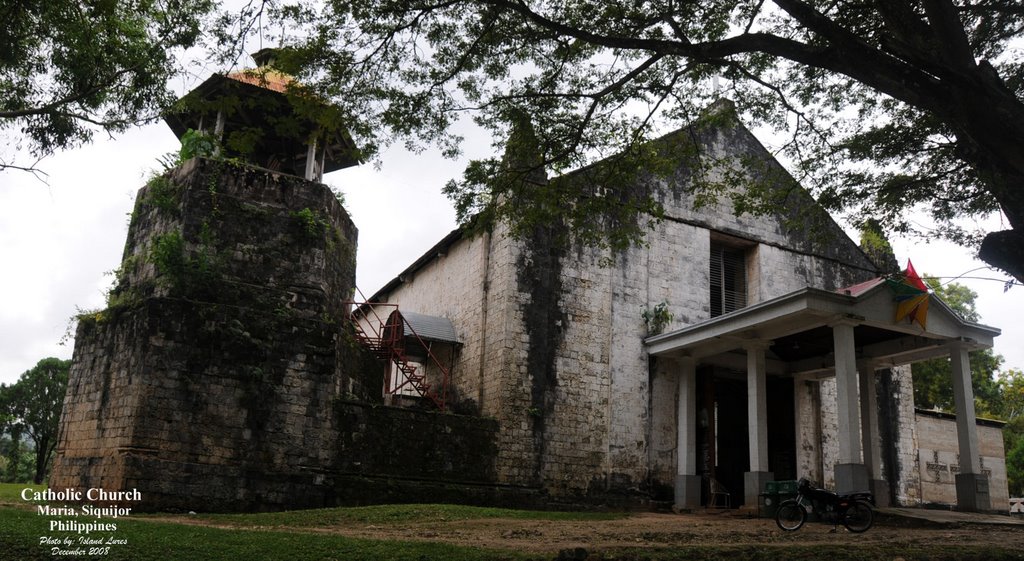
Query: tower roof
[[260, 120]]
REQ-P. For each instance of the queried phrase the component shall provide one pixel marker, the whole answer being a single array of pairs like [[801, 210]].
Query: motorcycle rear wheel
[[790, 516], [859, 517]]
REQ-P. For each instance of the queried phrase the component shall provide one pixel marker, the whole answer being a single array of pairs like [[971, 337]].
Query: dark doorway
[[722, 430], [722, 435], [781, 428]]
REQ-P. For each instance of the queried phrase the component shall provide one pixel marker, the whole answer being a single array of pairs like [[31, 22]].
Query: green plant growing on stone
[[181, 270], [168, 255], [312, 225], [162, 193], [656, 319], [197, 144], [339, 195]]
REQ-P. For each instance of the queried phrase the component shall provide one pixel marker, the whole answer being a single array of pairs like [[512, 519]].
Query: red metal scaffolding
[[386, 339]]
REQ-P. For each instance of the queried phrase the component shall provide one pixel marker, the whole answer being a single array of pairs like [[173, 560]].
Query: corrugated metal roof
[[429, 328]]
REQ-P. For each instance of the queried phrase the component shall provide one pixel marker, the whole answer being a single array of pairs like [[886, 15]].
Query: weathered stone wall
[[216, 378], [940, 459], [222, 348], [210, 414], [674, 269], [807, 402], [819, 453], [232, 234], [454, 285], [900, 438], [569, 381], [467, 284], [399, 455], [663, 440]]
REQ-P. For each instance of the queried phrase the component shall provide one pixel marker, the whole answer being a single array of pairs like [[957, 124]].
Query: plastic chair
[[718, 491]]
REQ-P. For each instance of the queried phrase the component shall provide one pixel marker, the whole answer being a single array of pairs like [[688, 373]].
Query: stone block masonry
[[222, 376]]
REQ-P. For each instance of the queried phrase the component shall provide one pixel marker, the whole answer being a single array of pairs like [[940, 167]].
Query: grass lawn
[[149, 539], [21, 528], [298, 535]]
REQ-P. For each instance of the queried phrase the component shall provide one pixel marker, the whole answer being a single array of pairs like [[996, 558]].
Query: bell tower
[[265, 118]]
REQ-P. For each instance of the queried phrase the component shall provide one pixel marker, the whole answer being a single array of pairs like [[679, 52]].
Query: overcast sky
[[58, 241]]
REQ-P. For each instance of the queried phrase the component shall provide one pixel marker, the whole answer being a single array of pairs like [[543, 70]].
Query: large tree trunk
[[42, 456], [989, 121]]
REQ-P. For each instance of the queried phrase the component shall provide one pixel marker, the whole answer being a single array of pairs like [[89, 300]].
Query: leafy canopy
[[71, 68], [933, 379], [887, 105], [32, 406]]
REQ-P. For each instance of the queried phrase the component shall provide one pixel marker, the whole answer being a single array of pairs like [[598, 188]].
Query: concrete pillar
[[851, 474], [807, 404], [870, 440], [972, 493], [757, 424], [687, 488], [218, 131], [311, 156]]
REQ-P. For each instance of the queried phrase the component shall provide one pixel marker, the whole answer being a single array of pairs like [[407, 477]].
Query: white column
[[686, 407], [311, 160], [757, 409], [688, 483], [963, 398], [218, 127], [848, 409], [869, 420], [754, 481], [218, 131]]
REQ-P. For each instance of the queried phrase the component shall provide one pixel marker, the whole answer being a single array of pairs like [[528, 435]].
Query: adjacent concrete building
[[939, 458]]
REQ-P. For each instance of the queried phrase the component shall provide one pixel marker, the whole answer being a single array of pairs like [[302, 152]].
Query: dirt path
[[646, 530]]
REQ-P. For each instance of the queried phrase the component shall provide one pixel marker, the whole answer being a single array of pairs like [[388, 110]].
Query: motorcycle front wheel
[[790, 516], [859, 517]]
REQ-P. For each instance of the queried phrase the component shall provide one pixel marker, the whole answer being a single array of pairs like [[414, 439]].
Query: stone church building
[[782, 357], [226, 372]]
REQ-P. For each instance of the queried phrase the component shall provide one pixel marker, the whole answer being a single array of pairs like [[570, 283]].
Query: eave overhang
[[795, 329]]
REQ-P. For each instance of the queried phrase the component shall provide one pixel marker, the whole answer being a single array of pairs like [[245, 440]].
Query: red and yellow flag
[[911, 297]]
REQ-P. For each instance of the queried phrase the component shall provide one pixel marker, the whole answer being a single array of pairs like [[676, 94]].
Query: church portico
[[814, 335]]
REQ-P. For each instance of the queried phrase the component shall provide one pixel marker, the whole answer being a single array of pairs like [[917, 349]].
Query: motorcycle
[[854, 510]]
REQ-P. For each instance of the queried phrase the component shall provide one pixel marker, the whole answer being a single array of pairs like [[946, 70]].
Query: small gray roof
[[429, 328]]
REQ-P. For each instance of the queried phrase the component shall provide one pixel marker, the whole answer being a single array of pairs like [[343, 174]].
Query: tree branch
[[39, 174], [949, 34]]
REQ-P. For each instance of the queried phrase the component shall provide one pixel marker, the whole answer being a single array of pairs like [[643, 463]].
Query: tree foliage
[[16, 466], [1013, 439], [70, 68], [933, 379], [1011, 389], [1011, 384], [32, 407], [889, 105]]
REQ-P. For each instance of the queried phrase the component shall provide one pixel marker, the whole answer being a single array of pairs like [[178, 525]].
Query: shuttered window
[[728, 279]]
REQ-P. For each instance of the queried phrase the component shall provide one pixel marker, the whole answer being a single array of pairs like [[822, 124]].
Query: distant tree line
[[29, 418]]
